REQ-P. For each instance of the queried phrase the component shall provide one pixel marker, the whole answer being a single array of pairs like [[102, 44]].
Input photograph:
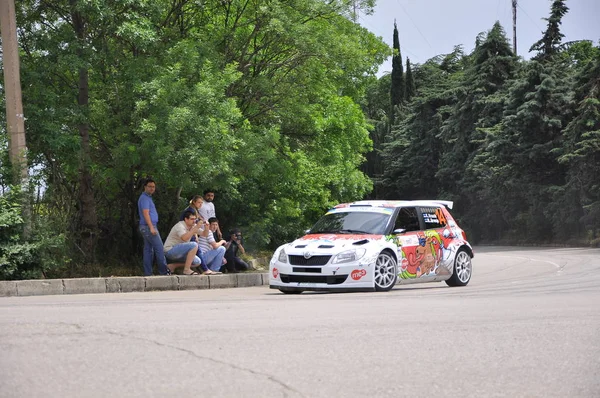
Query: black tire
[[386, 272], [462, 270], [287, 290]]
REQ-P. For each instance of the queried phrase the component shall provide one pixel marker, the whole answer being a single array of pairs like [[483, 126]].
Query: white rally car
[[372, 245]]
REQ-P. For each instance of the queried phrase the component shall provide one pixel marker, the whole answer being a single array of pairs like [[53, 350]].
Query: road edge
[[43, 287]]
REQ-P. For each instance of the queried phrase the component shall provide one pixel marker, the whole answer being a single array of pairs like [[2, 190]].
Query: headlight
[[349, 256], [282, 256]]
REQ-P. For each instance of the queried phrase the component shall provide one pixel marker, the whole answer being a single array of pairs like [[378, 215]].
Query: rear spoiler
[[392, 203], [447, 203]]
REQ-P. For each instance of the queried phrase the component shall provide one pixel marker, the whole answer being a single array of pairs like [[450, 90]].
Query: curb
[[43, 287]]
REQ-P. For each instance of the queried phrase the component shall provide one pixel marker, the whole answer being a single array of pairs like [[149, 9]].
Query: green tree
[[478, 106], [578, 201], [376, 105], [298, 61], [27, 257], [357, 6], [579, 53], [135, 57], [69, 22], [550, 42], [397, 88], [410, 83], [411, 156], [538, 108], [232, 95]]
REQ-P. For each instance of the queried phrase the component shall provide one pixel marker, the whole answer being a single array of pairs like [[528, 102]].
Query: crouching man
[[179, 250]]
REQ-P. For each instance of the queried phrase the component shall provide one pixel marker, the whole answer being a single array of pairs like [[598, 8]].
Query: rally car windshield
[[351, 223]]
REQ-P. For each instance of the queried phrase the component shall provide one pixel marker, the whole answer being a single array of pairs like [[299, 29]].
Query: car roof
[[397, 203]]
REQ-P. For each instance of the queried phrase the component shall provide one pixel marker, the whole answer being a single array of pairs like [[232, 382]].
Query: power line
[[532, 20], [501, 10], [413, 22], [374, 31]]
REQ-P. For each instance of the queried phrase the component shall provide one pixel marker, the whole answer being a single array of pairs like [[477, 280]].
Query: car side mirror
[[399, 231]]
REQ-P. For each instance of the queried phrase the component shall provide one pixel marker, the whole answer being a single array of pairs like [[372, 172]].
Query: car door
[[431, 249], [407, 228]]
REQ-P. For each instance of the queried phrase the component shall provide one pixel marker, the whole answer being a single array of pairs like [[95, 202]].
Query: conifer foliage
[[550, 42], [397, 88], [515, 143], [410, 83]]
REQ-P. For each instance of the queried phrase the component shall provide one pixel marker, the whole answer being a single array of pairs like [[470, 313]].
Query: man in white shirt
[[208, 207], [208, 211], [179, 250]]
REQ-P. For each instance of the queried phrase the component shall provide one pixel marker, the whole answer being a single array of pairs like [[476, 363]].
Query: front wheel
[[386, 272], [462, 269]]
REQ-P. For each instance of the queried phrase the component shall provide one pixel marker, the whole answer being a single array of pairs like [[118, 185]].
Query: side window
[[433, 217], [407, 219]]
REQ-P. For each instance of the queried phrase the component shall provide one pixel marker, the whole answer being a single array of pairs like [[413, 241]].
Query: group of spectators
[[195, 243]]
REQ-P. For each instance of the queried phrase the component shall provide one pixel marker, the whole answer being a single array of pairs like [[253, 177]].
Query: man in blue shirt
[[153, 245]]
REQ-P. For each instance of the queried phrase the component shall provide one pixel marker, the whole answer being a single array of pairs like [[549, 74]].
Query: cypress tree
[[410, 83], [397, 87]]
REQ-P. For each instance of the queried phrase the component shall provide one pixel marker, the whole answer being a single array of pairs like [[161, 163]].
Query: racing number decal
[[440, 216]]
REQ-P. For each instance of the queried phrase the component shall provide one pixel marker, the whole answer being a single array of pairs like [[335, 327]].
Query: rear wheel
[[287, 290], [462, 269], [386, 272]]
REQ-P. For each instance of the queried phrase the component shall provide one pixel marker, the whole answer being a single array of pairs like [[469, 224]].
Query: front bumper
[[349, 276]]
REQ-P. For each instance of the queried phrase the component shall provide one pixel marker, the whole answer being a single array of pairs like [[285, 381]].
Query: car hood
[[331, 243]]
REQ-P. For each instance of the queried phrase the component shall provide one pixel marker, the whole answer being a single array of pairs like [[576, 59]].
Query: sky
[[427, 28]]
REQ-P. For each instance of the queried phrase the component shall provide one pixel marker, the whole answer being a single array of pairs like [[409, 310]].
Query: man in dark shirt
[[153, 245], [234, 263]]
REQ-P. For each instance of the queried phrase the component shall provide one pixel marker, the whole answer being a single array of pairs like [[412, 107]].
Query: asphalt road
[[528, 325]]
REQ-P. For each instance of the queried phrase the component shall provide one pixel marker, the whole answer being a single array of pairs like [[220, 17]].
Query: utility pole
[[514, 12], [15, 121]]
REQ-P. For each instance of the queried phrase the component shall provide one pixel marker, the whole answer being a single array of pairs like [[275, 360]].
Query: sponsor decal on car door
[[408, 262], [422, 251], [409, 241], [435, 245]]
